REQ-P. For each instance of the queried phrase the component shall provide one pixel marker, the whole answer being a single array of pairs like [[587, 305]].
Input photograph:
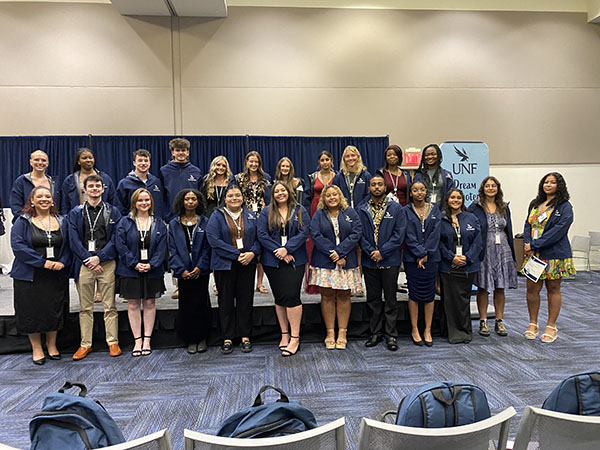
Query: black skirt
[[141, 287], [286, 282], [40, 305]]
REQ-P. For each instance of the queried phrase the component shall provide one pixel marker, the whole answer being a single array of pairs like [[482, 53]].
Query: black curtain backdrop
[[114, 153]]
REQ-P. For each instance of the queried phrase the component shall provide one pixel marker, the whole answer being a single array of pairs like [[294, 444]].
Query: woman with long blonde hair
[[217, 179]]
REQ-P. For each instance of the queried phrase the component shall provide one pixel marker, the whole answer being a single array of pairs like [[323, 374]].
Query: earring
[[32, 205]]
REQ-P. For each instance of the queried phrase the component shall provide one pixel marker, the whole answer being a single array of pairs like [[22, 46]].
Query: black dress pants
[[456, 296], [383, 316], [236, 296], [193, 316]]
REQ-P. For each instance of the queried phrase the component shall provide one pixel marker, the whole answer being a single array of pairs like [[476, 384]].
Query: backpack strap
[[437, 394], [282, 396], [70, 384], [69, 426]]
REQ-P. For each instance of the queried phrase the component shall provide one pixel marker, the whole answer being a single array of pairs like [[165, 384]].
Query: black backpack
[[73, 422]]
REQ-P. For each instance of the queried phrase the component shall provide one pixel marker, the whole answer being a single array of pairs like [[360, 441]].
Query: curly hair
[[211, 176], [446, 207], [562, 194], [498, 198], [29, 209], [343, 201], [179, 202]]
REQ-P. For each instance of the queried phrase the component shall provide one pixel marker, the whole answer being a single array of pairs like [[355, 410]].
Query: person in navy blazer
[[437, 179], [283, 228], [232, 235], [460, 246], [498, 267], [353, 177], [335, 230], [141, 241], [190, 262], [40, 272], [421, 259], [383, 228], [546, 236], [24, 183], [72, 190], [91, 237]]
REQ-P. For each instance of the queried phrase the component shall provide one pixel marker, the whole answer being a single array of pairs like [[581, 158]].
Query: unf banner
[[469, 163]]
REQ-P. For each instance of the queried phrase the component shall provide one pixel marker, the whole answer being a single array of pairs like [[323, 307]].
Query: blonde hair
[[39, 151], [343, 201], [134, 199], [359, 165], [211, 176]]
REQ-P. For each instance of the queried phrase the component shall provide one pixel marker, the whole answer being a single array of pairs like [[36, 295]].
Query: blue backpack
[[579, 394], [444, 404], [72, 422], [281, 418]]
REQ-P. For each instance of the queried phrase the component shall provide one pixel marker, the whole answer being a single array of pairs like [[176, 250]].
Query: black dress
[[40, 305], [141, 287]]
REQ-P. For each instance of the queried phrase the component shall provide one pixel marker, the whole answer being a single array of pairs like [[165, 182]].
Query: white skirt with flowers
[[341, 279]]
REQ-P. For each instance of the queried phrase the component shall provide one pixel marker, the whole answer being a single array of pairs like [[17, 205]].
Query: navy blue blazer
[[26, 258], [175, 177], [271, 240], [77, 237], [448, 182], [70, 191], [361, 187], [481, 215], [418, 243], [130, 184], [128, 247], [323, 236], [391, 234], [223, 251], [21, 189], [470, 239], [179, 257], [554, 241]]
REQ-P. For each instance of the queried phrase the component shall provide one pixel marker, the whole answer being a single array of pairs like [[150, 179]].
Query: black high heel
[[285, 352], [136, 353], [281, 347], [146, 351]]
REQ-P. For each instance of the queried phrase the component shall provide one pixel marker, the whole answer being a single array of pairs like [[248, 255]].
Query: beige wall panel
[[529, 126], [287, 47], [40, 111], [82, 45]]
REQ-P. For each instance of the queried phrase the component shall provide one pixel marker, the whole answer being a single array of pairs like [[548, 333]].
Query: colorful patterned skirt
[[341, 279], [556, 268]]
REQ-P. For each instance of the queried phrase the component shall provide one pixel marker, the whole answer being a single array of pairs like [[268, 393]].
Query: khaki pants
[[86, 286]]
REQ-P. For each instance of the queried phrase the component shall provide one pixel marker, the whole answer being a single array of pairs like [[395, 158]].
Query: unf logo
[[463, 166]]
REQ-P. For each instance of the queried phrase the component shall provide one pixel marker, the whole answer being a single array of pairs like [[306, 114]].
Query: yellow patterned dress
[[556, 268]]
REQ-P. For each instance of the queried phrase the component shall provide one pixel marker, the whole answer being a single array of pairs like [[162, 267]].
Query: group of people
[[327, 233]]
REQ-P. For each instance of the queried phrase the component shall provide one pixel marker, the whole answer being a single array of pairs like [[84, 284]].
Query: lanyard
[[93, 226], [395, 182], [143, 233], [190, 236], [237, 222], [48, 230], [219, 193], [457, 232], [350, 185], [422, 217], [336, 228]]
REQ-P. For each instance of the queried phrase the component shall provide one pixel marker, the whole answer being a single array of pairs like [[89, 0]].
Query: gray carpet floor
[[174, 390]]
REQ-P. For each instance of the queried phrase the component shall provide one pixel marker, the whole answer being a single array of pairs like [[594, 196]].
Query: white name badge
[[283, 240], [542, 217], [433, 198], [91, 246], [536, 234], [497, 238], [239, 242], [254, 207], [337, 240], [144, 254], [49, 252], [459, 250]]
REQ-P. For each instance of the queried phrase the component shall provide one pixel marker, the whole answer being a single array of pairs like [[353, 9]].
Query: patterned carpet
[[175, 390]]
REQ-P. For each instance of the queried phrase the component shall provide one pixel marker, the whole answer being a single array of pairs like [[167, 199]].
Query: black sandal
[[146, 351], [136, 353], [285, 352], [281, 347]]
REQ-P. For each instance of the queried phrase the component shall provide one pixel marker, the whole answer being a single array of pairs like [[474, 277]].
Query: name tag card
[[254, 207], [536, 234], [283, 240], [497, 238], [49, 252], [433, 198], [459, 250], [239, 243], [337, 240], [91, 246], [144, 254]]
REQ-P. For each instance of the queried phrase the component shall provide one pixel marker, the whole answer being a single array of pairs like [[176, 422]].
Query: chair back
[[594, 238], [376, 435], [331, 436], [7, 447], [155, 441], [550, 430], [581, 244]]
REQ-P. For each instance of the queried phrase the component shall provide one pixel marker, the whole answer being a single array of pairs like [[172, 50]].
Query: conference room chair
[[155, 441], [594, 245], [580, 245], [549, 430], [482, 435], [331, 436], [7, 447]]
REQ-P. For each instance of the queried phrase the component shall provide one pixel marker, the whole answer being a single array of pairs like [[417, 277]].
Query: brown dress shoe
[[82, 352], [114, 350]]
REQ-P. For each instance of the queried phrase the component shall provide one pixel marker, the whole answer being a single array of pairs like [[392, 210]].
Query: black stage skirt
[[421, 282], [41, 304]]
